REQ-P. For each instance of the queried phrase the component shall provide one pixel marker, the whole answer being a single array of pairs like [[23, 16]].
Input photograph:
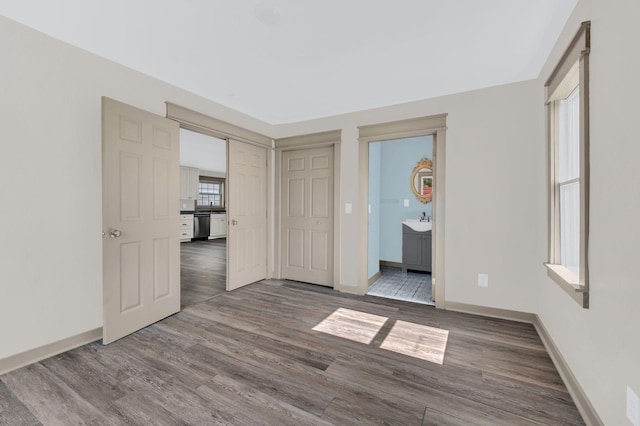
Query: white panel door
[[141, 246], [307, 215], [246, 214]]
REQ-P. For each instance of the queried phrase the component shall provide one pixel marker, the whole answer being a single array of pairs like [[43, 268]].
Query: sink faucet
[[424, 217]]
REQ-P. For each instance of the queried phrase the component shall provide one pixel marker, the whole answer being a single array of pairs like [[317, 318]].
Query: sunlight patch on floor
[[418, 341], [353, 325]]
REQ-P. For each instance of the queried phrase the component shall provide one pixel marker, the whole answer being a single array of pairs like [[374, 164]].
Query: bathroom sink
[[418, 226]]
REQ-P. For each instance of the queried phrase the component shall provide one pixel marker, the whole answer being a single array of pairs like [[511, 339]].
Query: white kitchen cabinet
[[186, 227], [218, 226], [189, 177]]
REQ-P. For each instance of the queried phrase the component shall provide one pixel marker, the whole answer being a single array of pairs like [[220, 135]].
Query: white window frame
[[211, 180], [572, 71]]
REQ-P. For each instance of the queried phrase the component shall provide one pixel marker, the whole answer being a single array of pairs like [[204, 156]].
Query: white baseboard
[[588, 413], [37, 354], [490, 312]]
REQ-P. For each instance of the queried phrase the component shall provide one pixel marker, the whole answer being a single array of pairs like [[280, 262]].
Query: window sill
[[569, 282]]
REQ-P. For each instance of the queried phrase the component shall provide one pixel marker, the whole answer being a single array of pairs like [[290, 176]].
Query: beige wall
[[495, 205], [602, 344], [50, 169], [493, 189], [51, 116]]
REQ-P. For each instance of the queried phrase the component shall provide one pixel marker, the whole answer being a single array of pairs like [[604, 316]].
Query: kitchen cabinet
[[186, 227], [416, 250], [189, 177], [218, 226]]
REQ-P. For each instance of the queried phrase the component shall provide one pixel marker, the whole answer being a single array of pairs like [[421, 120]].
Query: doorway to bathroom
[[400, 219]]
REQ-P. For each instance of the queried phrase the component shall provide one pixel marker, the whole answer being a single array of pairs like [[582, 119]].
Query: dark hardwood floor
[[203, 269], [251, 356]]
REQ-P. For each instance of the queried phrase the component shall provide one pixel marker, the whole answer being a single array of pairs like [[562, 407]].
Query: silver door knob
[[115, 233], [234, 222]]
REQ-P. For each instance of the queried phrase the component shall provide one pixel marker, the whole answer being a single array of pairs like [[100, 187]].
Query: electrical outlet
[[483, 280], [633, 407], [348, 208], [406, 202]]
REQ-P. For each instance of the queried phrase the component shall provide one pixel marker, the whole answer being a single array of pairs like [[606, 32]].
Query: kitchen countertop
[[202, 212]]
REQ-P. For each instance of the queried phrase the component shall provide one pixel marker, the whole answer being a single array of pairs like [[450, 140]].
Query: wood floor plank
[[95, 387], [51, 401], [252, 356], [203, 268], [262, 407], [13, 411]]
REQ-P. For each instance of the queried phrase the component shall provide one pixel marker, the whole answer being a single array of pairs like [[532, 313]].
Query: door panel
[[130, 180], [296, 248], [319, 196], [319, 251], [161, 269], [161, 197], [307, 215], [296, 198], [141, 275], [130, 285], [247, 214]]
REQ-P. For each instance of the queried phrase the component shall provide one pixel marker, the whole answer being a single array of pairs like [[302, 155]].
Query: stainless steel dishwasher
[[201, 225]]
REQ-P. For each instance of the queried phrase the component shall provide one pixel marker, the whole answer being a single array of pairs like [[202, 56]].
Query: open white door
[[141, 248], [247, 214]]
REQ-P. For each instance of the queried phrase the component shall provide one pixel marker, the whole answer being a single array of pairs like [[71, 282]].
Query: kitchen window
[[568, 147], [210, 193]]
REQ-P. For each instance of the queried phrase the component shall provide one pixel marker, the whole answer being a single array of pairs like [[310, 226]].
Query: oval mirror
[[422, 180]]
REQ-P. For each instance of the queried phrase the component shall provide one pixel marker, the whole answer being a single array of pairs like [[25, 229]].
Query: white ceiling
[[284, 61], [203, 152]]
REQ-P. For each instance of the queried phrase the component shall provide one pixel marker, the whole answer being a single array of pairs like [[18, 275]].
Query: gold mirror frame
[[422, 180]]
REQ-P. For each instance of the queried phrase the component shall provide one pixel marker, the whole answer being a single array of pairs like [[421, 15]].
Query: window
[[568, 140], [210, 193]]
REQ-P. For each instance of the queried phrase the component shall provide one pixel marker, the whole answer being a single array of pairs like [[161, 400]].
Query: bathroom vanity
[[416, 246]]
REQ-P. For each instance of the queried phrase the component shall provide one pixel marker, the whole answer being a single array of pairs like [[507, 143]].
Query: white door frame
[[424, 126], [310, 141]]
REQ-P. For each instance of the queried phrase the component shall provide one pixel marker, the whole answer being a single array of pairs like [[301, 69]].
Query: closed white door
[[246, 214], [141, 247], [307, 215]]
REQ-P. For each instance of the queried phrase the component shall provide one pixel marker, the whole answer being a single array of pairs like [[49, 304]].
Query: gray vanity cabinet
[[416, 250]]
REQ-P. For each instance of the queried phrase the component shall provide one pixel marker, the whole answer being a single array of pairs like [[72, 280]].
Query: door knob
[[115, 233], [234, 222]]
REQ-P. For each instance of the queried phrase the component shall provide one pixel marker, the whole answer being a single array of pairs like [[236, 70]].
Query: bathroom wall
[[374, 209], [398, 158]]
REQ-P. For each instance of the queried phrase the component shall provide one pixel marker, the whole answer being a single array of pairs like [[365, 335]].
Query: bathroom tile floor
[[395, 284]]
